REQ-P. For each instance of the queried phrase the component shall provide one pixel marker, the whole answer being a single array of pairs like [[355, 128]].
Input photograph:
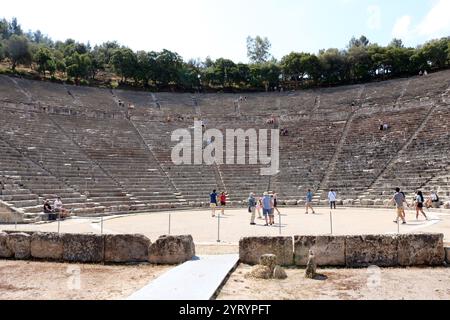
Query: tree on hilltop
[[258, 49]]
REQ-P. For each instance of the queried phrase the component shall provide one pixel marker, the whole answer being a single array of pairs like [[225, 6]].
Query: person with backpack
[[309, 199], [419, 204], [252, 208]]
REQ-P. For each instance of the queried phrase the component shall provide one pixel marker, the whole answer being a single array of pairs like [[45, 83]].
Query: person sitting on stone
[[47, 207]]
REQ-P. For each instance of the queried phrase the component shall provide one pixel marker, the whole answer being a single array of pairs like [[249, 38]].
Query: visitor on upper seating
[[309, 199], [252, 207], [59, 208], [386, 127], [420, 200], [399, 200], [332, 199], [223, 202], [213, 202]]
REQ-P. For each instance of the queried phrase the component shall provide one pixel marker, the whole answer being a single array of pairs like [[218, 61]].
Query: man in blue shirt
[[213, 202], [309, 199]]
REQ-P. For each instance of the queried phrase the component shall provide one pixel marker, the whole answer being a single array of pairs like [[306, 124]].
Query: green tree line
[[360, 61]]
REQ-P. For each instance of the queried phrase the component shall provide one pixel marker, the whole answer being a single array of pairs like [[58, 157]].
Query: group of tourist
[[215, 200], [419, 203], [57, 209], [266, 205]]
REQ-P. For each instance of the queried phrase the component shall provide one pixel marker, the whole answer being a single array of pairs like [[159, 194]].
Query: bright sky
[[219, 28]]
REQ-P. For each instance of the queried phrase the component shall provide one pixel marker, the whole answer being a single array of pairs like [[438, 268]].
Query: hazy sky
[[219, 28]]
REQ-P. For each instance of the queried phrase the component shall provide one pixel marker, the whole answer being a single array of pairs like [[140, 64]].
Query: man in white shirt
[[58, 207], [332, 198]]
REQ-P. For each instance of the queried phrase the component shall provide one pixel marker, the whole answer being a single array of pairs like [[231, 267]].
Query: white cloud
[[402, 28], [437, 22], [374, 20]]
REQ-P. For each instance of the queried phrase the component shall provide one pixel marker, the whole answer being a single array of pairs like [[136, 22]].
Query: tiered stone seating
[[241, 179], [367, 149], [305, 155], [47, 93], [116, 147], [9, 92], [29, 176], [338, 101], [427, 156], [194, 182], [176, 104], [100, 158], [384, 94]]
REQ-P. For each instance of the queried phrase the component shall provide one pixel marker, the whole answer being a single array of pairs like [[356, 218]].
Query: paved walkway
[[197, 279]]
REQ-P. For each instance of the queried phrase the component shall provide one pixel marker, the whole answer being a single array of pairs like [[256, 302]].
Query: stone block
[[125, 248], [172, 250], [20, 244], [5, 249], [328, 250], [252, 248], [421, 249], [83, 247], [47, 246], [364, 251]]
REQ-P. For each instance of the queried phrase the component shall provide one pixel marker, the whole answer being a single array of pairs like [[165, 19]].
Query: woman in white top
[[332, 199]]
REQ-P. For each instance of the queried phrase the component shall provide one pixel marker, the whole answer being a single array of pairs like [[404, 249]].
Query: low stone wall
[[91, 248], [252, 248], [7, 215], [421, 249]]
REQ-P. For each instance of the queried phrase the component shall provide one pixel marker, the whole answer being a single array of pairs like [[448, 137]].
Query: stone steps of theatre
[[39, 208], [140, 192], [23, 203], [141, 183], [63, 193], [108, 198], [15, 191], [189, 184], [147, 188], [107, 193], [156, 199]]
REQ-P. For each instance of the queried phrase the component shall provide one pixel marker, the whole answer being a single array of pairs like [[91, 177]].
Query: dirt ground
[[342, 284], [25, 280]]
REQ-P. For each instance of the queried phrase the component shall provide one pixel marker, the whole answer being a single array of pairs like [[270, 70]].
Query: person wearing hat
[[267, 207], [252, 208]]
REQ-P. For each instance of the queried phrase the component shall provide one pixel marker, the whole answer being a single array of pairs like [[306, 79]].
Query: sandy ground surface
[[236, 224], [342, 284], [24, 280]]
